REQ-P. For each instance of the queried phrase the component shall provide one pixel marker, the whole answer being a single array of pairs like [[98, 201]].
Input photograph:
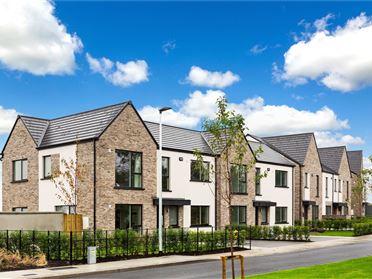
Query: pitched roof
[[293, 146], [355, 161], [179, 138], [71, 128], [331, 157], [328, 170], [269, 155]]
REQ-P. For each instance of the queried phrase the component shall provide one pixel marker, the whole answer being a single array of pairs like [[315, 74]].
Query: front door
[[306, 212]]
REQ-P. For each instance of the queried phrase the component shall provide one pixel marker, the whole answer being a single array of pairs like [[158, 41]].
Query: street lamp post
[[160, 188]]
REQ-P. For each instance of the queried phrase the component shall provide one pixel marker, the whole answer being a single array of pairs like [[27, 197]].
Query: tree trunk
[[231, 241]]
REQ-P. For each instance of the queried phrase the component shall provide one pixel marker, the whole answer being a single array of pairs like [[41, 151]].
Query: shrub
[[362, 229], [11, 260]]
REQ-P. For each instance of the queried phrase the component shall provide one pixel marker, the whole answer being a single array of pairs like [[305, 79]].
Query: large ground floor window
[[281, 215], [128, 216], [199, 215], [315, 213], [328, 210], [239, 215]]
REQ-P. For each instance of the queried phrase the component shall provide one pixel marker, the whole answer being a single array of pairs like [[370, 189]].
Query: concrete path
[[259, 248]]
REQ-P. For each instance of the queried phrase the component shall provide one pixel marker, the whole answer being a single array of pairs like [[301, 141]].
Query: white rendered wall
[[47, 191], [327, 200], [200, 193], [282, 196], [1, 186]]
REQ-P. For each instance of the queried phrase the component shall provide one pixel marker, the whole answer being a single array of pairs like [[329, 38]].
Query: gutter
[[94, 187]]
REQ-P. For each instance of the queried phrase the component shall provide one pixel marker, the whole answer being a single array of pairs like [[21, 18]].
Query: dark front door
[[256, 215], [306, 212]]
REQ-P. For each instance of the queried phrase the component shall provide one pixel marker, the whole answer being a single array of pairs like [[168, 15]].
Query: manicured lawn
[[333, 233], [357, 268]]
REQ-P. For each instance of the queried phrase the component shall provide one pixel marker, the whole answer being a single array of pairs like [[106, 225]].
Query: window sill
[[203, 181], [240, 194], [19, 181], [264, 224], [46, 178], [281, 223], [259, 195], [128, 188], [282, 187], [166, 190]]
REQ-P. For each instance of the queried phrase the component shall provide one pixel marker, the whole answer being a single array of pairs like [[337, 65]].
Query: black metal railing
[[72, 246]]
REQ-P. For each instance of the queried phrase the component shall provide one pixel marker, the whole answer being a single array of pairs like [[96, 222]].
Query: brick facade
[[237, 199], [20, 145], [345, 176]]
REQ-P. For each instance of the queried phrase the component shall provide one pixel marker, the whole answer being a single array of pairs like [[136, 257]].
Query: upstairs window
[[239, 179], [339, 186], [128, 169], [281, 178], [19, 209], [258, 182], [326, 187], [335, 184], [20, 170], [317, 186], [165, 173], [347, 190], [199, 172], [306, 180], [47, 166]]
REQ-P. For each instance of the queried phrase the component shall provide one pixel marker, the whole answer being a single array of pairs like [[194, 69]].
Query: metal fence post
[[59, 245], [238, 237], [20, 241], [48, 251], [127, 243], [225, 239], [165, 240], [147, 242], [250, 237], [70, 247], [197, 240], [106, 245], [212, 240], [182, 239], [83, 246], [7, 239]]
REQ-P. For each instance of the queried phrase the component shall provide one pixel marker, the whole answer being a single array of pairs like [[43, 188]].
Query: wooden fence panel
[[73, 222]]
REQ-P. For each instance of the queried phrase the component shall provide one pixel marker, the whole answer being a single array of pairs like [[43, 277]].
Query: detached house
[[336, 181], [302, 150]]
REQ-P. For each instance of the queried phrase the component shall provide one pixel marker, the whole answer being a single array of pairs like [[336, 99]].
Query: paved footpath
[[265, 256]]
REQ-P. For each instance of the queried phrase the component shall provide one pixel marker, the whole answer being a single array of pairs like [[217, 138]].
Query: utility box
[[92, 255]]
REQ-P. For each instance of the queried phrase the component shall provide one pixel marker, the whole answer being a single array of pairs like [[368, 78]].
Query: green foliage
[[362, 229]]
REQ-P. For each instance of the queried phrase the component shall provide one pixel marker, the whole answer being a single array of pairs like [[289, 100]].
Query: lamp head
[[164, 109]]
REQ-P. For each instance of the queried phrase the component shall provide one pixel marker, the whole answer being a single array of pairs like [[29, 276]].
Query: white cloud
[[367, 164], [33, 40], [297, 97], [261, 119], [340, 59], [168, 46], [200, 77], [7, 119], [258, 49], [120, 74], [327, 138]]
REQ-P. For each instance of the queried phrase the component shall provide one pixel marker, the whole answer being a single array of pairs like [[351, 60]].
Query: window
[[47, 166], [165, 173], [328, 210], [239, 179], [128, 169], [264, 216], [199, 215], [315, 209], [128, 216], [346, 210], [67, 209], [306, 180], [239, 215], [199, 172], [347, 190], [335, 181], [19, 209], [339, 185], [173, 216], [326, 187], [281, 178], [281, 215], [317, 186], [20, 170], [258, 182]]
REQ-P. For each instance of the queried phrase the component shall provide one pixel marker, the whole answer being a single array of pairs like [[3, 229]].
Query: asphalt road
[[253, 265]]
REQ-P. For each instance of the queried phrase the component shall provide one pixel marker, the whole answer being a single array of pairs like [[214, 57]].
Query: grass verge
[[333, 233], [351, 269]]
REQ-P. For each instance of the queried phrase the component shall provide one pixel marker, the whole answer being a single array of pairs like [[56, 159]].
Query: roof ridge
[[173, 126], [91, 110], [33, 117], [287, 135], [337, 146]]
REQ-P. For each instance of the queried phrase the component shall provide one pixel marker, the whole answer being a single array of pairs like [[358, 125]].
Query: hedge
[[297, 233], [362, 229]]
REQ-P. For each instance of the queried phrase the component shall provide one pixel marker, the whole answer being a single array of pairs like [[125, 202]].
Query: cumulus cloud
[[168, 46], [258, 49], [7, 119], [118, 73], [201, 77], [261, 119], [34, 40], [340, 59], [367, 164], [327, 138]]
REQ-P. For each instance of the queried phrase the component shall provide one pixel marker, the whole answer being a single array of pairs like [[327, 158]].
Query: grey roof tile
[[71, 128], [269, 155], [355, 161], [331, 157], [179, 138], [293, 146]]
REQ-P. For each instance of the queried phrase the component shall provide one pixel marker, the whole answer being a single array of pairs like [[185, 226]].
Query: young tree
[[66, 180], [228, 142]]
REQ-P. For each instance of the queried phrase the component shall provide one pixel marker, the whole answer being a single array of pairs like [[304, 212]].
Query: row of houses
[[119, 153]]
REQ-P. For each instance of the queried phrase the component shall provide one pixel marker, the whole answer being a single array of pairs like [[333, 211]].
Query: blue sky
[[247, 39]]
